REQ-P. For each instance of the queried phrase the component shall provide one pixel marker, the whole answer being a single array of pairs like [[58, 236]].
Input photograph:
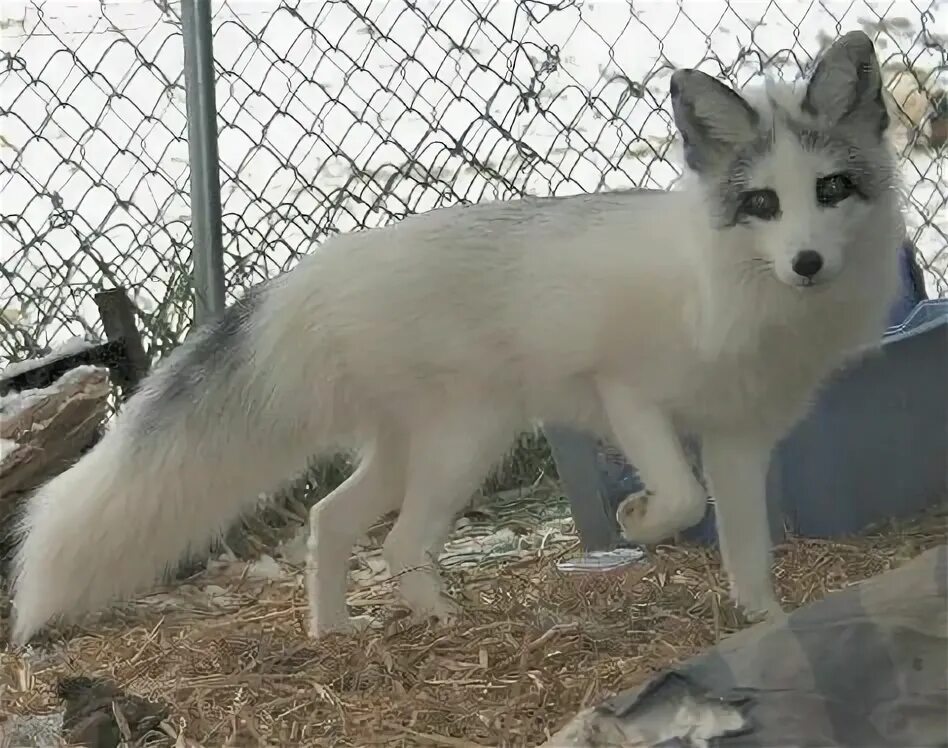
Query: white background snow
[[340, 114]]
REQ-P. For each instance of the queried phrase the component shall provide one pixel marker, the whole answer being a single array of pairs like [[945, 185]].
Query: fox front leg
[[737, 467], [674, 499]]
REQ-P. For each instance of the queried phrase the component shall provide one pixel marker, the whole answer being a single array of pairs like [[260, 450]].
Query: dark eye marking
[[763, 204], [833, 189]]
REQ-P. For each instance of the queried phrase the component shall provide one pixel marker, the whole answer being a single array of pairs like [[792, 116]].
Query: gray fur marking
[[736, 180], [712, 118], [846, 86], [864, 161], [844, 100], [217, 348]]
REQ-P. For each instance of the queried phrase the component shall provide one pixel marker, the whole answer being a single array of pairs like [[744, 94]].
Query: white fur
[[427, 345]]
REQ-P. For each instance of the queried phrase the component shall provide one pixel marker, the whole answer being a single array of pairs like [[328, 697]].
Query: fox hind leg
[[376, 487], [449, 458]]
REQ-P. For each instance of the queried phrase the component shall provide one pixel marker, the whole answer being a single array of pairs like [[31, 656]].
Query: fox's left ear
[[846, 86]]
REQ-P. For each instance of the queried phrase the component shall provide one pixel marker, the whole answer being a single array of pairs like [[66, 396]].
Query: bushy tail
[[193, 449]]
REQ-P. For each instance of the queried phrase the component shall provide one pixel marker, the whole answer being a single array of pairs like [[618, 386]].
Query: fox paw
[[646, 519], [757, 608], [345, 626]]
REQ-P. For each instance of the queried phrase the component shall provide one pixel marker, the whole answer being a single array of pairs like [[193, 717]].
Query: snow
[[7, 447], [14, 402], [11, 403], [67, 348], [417, 107]]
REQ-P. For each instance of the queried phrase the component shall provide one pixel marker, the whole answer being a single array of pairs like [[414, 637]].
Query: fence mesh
[[337, 115]]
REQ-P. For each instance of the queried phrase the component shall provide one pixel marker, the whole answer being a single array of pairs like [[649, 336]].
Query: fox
[[716, 307]]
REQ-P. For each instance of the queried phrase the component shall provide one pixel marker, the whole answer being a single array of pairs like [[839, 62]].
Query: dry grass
[[229, 653]]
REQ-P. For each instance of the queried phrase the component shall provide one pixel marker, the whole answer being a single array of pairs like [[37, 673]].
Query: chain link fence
[[337, 115]]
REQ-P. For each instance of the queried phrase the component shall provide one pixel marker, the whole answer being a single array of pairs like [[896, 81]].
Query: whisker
[[750, 269], [756, 264]]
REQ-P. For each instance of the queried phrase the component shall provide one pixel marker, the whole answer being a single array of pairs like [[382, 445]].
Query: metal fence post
[[208, 249]]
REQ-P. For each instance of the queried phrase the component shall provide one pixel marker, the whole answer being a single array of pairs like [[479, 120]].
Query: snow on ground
[[341, 114]]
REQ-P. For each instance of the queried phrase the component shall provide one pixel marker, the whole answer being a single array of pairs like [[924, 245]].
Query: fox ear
[[712, 118], [846, 86]]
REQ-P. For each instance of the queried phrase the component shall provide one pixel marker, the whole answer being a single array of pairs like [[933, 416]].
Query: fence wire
[[338, 115]]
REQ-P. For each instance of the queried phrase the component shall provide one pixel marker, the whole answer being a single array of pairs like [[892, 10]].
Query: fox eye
[[763, 204], [833, 189]]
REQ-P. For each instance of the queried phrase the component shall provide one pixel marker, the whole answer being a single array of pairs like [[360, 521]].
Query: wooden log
[[43, 431], [118, 318], [124, 354]]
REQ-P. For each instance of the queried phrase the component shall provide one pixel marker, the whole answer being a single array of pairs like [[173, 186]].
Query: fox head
[[798, 179]]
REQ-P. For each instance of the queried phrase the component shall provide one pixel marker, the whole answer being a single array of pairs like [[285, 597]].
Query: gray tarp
[[866, 667]]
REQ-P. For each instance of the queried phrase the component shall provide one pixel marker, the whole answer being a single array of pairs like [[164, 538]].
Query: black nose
[[807, 263]]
